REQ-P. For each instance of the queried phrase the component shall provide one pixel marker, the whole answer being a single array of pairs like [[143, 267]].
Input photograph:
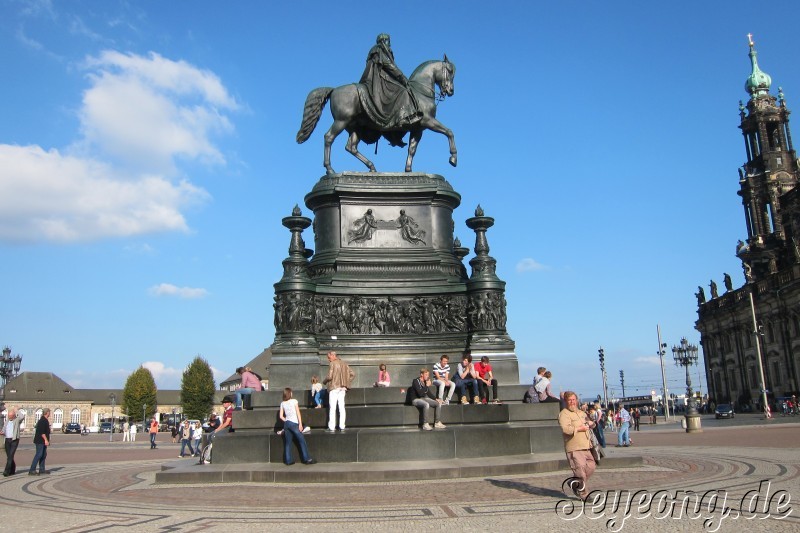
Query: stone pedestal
[[693, 424], [386, 283]]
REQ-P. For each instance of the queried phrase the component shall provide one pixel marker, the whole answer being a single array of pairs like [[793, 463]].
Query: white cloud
[[167, 289], [648, 360], [140, 116], [152, 110], [164, 376], [47, 196], [528, 265]]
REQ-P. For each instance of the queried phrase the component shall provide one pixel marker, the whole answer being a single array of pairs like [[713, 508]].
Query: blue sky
[[147, 156]]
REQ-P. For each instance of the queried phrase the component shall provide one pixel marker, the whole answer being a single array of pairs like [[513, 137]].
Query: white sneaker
[[306, 429], [427, 427], [439, 425], [446, 402]]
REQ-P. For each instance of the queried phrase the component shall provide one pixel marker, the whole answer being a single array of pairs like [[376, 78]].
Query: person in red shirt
[[227, 416], [485, 379]]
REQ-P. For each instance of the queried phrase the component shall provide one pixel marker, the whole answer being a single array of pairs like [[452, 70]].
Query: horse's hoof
[[408, 169], [372, 169], [330, 172], [453, 160]]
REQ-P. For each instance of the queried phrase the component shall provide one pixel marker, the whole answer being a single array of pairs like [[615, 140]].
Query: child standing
[[383, 377], [316, 392], [293, 430]]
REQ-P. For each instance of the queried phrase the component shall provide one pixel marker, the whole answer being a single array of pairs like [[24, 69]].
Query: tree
[[197, 389], [139, 394]]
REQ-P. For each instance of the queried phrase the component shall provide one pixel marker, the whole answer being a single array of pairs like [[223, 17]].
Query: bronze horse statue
[[348, 114]]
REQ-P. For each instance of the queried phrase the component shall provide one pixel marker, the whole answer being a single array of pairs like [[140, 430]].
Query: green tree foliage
[[197, 389], [139, 393]]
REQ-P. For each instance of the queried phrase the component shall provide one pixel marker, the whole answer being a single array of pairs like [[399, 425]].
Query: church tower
[[770, 172]]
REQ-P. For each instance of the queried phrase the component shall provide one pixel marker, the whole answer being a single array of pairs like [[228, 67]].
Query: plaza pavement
[[100, 486]]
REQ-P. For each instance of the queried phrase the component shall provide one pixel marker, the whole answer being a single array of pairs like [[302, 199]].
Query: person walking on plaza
[[126, 432], [11, 432], [636, 415], [623, 436], [293, 430], [575, 427], [153, 433], [42, 440], [133, 432], [186, 437], [596, 416], [340, 375]]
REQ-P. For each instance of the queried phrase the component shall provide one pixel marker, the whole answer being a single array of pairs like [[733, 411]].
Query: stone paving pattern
[[100, 486]]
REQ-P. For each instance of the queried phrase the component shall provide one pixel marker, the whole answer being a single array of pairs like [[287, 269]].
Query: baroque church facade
[[770, 258]]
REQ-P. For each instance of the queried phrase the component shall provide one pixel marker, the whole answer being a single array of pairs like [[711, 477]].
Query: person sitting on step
[[485, 379], [422, 398], [441, 375], [467, 377]]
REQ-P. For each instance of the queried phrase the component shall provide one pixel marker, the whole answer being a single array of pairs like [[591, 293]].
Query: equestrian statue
[[383, 104]]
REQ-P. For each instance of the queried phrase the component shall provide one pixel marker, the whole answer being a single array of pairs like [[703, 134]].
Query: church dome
[[758, 82]]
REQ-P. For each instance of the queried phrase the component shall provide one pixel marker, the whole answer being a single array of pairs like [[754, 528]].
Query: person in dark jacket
[[42, 441], [423, 398]]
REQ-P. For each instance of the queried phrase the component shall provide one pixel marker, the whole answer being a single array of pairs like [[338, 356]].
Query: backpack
[[531, 395]]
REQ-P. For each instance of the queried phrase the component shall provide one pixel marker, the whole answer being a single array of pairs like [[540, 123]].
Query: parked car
[[724, 410], [105, 427], [72, 427]]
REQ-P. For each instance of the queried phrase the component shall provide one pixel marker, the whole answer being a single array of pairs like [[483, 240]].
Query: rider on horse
[[386, 98]]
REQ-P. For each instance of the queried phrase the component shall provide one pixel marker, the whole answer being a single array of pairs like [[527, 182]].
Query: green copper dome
[[758, 82]]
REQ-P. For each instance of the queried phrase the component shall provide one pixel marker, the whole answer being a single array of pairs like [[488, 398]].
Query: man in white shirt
[[441, 374]]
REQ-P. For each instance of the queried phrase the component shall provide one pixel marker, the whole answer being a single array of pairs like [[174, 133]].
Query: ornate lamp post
[[622, 381], [602, 356], [9, 366], [685, 355], [113, 399]]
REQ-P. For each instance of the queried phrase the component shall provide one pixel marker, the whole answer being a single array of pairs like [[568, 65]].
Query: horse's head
[[444, 77]]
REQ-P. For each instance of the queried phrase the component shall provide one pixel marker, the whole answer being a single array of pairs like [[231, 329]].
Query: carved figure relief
[[365, 227], [487, 311], [355, 315], [409, 229]]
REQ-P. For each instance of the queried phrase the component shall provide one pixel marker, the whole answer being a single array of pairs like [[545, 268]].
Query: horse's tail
[[315, 102]]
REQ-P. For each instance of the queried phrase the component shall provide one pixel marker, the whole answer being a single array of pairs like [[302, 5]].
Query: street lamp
[[685, 355], [9, 366], [113, 399], [603, 371], [622, 381], [144, 416]]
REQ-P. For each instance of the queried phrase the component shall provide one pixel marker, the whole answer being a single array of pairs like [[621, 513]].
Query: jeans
[[484, 388], [291, 432], [424, 405], [11, 449], [623, 437], [461, 385], [241, 392], [152, 440], [184, 443], [600, 434], [441, 386], [336, 400], [38, 459], [319, 397]]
